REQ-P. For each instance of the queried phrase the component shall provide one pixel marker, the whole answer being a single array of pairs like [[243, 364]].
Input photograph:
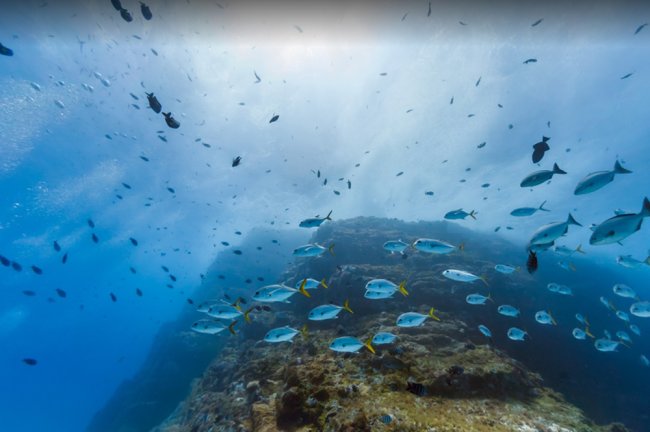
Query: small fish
[[64, 258], [478, 82], [477, 299], [30, 361], [5, 261], [117, 5], [171, 121], [113, 297], [581, 319], [639, 28], [349, 184], [386, 286], [138, 292], [550, 232], [383, 338], [528, 211], [623, 316], [257, 77], [61, 293], [59, 104], [486, 331], [566, 265], [6, 51], [95, 238], [309, 283], [126, 15], [598, 179], [539, 149], [91, 223], [146, 12], [460, 214], [312, 250], [227, 312], [565, 251], [624, 291], [530, 60], [605, 302], [429, 193], [619, 227], [481, 145], [644, 361], [629, 262], [171, 190], [153, 102], [505, 269], [416, 388], [641, 309], [538, 22], [635, 329], [389, 418], [509, 311], [606, 345], [29, 293], [579, 334], [314, 222], [544, 317], [516, 334], [330, 311], [539, 177], [429, 12], [236, 161], [16, 266], [237, 252], [37, 270], [451, 101], [212, 327], [349, 344], [627, 75], [395, 246], [279, 293], [274, 118], [435, 246], [462, 276], [414, 319]]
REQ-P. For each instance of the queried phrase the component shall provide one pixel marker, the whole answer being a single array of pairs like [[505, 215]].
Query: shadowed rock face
[[441, 376]]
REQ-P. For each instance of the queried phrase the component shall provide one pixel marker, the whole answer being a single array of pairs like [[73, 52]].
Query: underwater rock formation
[[443, 376]]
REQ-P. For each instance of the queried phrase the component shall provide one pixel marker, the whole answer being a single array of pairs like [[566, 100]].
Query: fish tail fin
[[645, 210], [323, 283], [541, 207], [552, 319], [489, 297], [328, 216], [402, 288], [587, 322], [472, 214], [331, 249], [368, 345], [618, 169], [432, 312], [571, 220], [247, 315], [624, 344], [557, 169], [461, 247], [302, 289], [484, 279], [236, 305], [346, 306], [588, 333], [231, 328], [579, 249], [545, 139], [304, 331]]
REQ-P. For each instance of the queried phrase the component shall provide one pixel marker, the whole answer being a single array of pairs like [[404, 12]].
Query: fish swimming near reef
[[505, 269], [282, 334], [212, 327], [619, 227], [279, 293], [539, 177], [548, 233], [460, 214], [314, 222], [395, 246], [348, 344], [462, 276], [383, 338], [414, 319], [598, 179], [312, 250], [311, 283], [326, 312], [528, 211], [516, 334], [435, 246], [477, 299]]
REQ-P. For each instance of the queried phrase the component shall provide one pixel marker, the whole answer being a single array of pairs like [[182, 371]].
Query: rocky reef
[[443, 376]]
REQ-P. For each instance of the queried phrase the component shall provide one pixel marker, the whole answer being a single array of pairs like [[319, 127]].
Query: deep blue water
[[363, 93]]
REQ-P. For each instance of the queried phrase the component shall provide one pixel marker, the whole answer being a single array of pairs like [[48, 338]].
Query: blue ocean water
[[363, 93]]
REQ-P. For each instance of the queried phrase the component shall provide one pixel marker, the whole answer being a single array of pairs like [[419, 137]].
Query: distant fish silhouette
[[126, 15], [638, 29], [540, 148], [6, 51], [538, 22], [146, 12], [531, 263], [257, 77]]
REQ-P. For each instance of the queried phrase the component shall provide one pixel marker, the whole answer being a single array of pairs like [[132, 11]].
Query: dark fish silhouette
[[236, 161], [627, 75], [37, 270], [540, 148], [172, 277], [274, 118], [225, 243], [126, 15], [29, 293], [429, 13], [16, 266], [6, 51], [349, 184], [257, 77], [134, 242], [146, 12], [478, 82], [91, 223], [171, 190], [126, 185], [30, 361], [64, 259], [57, 247], [531, 263], [138, 292], [165, 269], [153, 102], [61, 293], [95, 238], [113, 297], [190, 301], [416, 388], [237, 252], [171, 121], [638, 29], [5, 261], [132, 270], [538, 22], [117, 5], [530, 60]]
